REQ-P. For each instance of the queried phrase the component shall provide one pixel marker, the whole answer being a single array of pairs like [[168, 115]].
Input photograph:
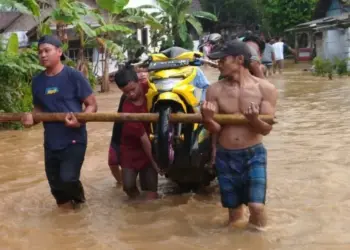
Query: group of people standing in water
[[240, 158]]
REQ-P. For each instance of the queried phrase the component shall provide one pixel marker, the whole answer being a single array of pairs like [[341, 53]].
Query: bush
[[326, 67], [341, 66], [16, 72]]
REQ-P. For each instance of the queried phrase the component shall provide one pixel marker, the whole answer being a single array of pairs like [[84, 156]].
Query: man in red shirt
[[135, 146], [114, 148]]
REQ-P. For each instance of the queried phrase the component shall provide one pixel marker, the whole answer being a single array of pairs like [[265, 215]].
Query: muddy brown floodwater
[[308, 197]]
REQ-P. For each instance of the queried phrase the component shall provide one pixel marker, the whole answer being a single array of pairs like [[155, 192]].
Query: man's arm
[[85, 93], [267, 107], [147, 147], [90, 104], [36, 109], [211, 99], [273, 56]]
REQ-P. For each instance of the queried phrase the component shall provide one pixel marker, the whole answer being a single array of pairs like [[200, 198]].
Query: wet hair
[[125, 75]]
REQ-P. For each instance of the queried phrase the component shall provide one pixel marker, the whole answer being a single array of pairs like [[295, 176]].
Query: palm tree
[[178, 14]]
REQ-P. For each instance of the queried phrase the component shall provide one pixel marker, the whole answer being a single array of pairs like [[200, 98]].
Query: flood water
[[308, 200]]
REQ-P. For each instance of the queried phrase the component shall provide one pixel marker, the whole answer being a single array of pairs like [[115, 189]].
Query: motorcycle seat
[[174, 52]]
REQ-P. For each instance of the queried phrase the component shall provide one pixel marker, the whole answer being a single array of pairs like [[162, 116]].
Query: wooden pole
[[224, 119]]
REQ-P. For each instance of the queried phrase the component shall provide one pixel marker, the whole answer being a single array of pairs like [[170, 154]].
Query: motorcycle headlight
[[166, 84]]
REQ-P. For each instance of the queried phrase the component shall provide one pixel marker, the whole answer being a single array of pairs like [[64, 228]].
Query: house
[[327, 35], [23, 23]]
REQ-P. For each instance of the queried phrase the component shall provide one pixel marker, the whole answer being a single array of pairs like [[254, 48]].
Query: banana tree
[[178, 13], [71, 12], [119, 19]]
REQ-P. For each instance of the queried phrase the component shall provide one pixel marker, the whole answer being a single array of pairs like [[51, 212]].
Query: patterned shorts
[[241, 175]]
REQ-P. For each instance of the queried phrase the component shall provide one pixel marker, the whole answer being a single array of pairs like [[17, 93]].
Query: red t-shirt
[[132, 154]]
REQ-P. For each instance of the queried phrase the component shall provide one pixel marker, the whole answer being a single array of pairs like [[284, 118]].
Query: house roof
[[342, 20]]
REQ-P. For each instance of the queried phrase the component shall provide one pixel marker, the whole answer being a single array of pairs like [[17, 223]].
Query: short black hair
[[125, 75], [53, 40]]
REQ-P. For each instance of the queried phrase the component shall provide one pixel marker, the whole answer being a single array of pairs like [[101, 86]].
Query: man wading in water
[[114, 148], [240, 157], [62, 89], [135, 146]]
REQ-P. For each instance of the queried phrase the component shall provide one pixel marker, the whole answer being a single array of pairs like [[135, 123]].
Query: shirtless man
[[240, 156]]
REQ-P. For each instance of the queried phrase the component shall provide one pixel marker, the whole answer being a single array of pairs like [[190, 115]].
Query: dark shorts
[[241, 175], [62, 169], [148, 179], [268, 64]]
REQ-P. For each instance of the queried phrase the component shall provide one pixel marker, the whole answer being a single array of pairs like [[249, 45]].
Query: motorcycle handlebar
[[146, 62]]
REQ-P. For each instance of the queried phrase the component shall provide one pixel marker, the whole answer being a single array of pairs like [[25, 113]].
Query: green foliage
[[16, 72], [178, 14], [13, 44], [326, 67], [91, 77], [341, 66], [112, 6], [188, 43], [30, 7], [234, 12], [113, 28], [284, 14]]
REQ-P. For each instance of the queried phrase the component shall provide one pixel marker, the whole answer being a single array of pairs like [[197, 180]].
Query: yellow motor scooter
[[183, 150]]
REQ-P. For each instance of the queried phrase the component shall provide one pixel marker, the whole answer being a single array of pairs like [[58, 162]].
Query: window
[[74, 52], [144, 36]]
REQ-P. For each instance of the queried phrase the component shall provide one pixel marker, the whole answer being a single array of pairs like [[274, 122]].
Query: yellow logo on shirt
[[51, 90]]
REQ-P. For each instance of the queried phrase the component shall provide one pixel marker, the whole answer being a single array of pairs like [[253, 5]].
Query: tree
[[284, 14], [114, 26], [233, 13], [178, 14]]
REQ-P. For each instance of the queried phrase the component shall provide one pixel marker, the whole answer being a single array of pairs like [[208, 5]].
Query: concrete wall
[[333, 43], [336, 43]]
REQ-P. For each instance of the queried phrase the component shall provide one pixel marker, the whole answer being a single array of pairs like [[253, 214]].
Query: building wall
[[336, 44]]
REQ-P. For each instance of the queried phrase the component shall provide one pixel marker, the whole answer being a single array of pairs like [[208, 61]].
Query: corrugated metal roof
[[343, 18], [6, 18]]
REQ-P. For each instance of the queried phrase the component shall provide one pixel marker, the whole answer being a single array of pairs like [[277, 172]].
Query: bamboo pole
[[223, 119]]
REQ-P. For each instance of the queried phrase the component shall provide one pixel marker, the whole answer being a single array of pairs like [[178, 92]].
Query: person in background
[[201, 82], [268, 58], [135, 146], [279, 47], [60, 88], [256, 47]]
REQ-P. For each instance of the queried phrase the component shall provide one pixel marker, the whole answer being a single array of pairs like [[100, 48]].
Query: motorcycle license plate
[[171, 64]]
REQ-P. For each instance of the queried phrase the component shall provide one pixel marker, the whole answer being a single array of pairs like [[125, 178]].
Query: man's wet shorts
[[241, 175]]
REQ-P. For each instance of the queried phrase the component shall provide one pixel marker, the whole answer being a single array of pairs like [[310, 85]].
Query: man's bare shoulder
[[266, 87], [215, 87]]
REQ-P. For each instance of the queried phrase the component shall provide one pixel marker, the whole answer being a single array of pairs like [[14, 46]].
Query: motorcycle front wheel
[[165, 138]]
